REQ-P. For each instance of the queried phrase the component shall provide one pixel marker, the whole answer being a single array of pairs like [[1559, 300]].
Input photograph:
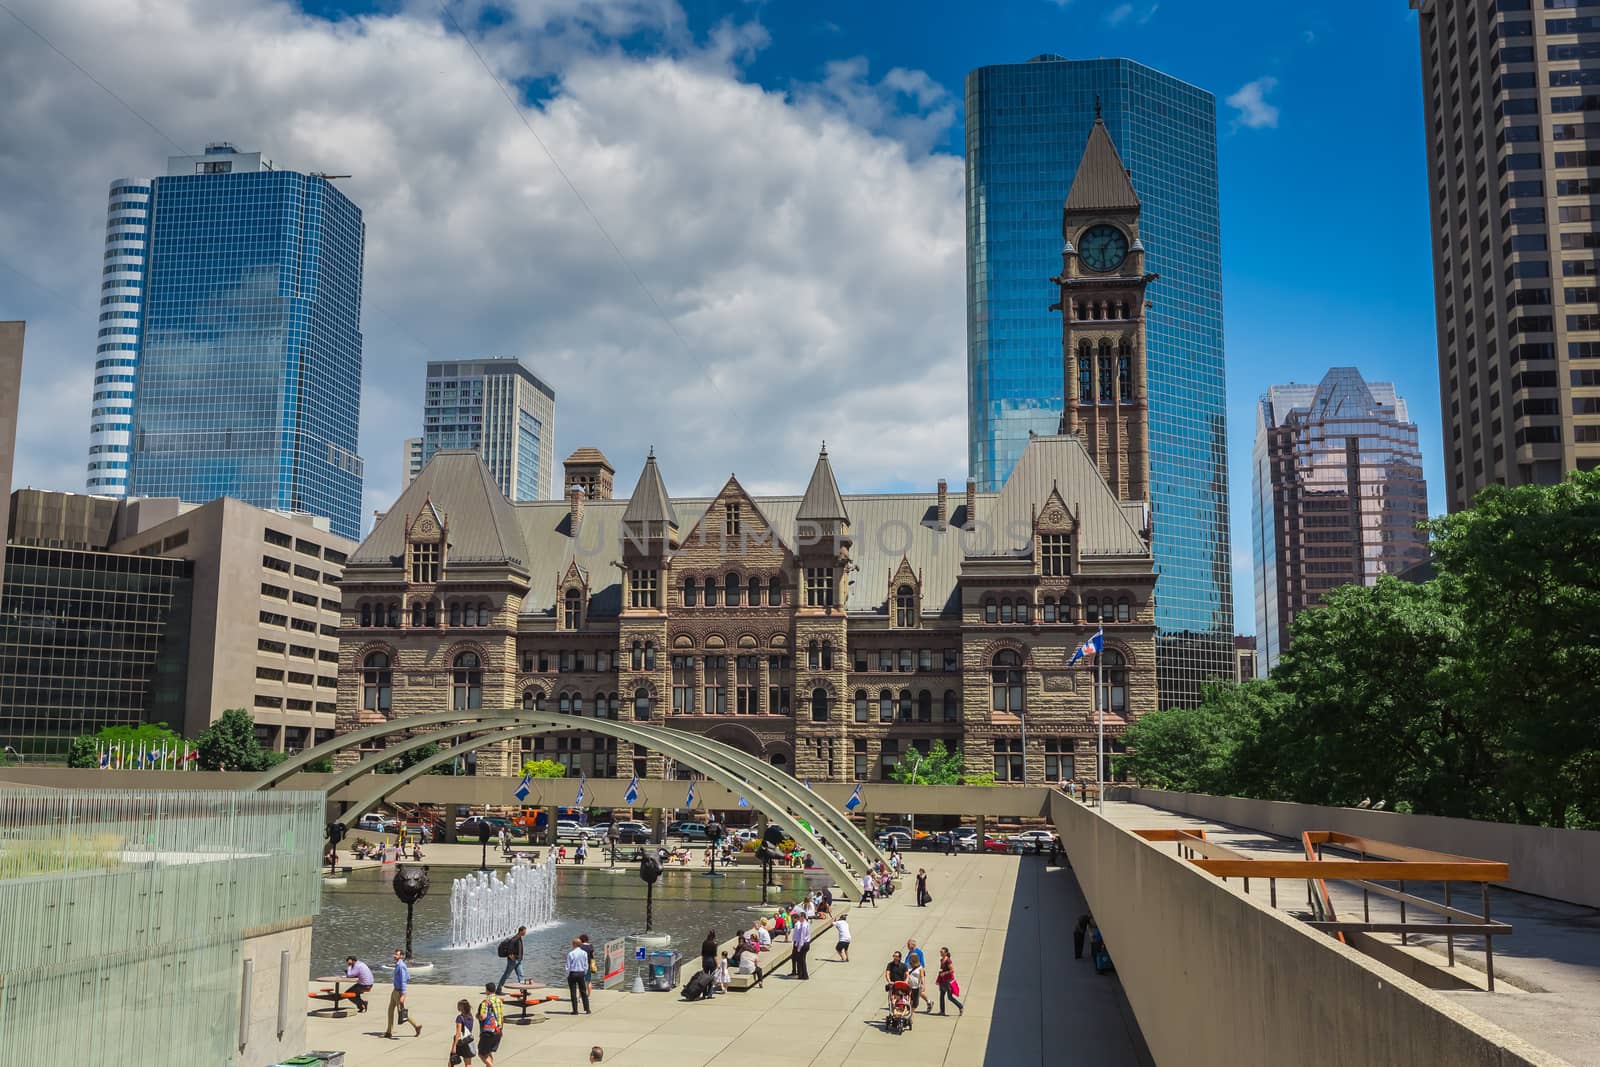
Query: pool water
[[364, 918]]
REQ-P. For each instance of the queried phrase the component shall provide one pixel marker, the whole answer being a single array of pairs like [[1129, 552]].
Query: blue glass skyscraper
[[1026, 126], [249, 360]]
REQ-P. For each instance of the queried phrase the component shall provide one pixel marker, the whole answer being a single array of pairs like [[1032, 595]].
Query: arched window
[[366, 615], [1048, 609], [1024, 611], [1006, 681], [614, 706], [1085, 372], [775, 592], [468, 682], [991, 611], [952, 706], [564, 703], [1005, 610], [732, 587], [1079, 312], [483, 613], [924, 706], [638, 656], [529, 699], [416, 614], [1115, 687], [1097, 306], [455, 613], [711, 592], [641, 703], [755, 592], [819, 705], [1124, 309], [394, 615], [905, 705], [1103, 370], [1125, 373], [1124, 609], [1069, 609], [1091, 609], [691, 593], [430, 614], [813, 655], [905, 606], [827, 655], [377, 682], [577, 703], [572, 609], [649, 655], [862, 710]]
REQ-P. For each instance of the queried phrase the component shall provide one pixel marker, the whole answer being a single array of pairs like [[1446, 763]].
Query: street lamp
[[914, 765]]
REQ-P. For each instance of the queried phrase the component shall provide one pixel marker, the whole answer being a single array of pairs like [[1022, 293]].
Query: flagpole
[[1100, 746]]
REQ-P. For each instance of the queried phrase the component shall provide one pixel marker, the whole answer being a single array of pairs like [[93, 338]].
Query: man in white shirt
[[868, 890], [578, 976], [842, 926], [801, 939]]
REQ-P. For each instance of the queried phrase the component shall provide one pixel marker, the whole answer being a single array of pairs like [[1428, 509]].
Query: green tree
[[1199, 749], [230, 744], [941, 766], [84, 751], [544, 768]]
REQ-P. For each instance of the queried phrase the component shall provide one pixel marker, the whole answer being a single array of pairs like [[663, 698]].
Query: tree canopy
[[230, 744], [1471, 694], [84, 750], [544, 768]]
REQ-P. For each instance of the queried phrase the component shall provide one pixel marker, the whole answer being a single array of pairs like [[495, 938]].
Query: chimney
[[943, 516], [575, 507], [972, 504]]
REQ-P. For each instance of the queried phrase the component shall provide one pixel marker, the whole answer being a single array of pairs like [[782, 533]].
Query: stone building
[[830, 634]]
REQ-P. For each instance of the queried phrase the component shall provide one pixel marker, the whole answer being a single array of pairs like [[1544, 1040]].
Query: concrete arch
[[742, 767]]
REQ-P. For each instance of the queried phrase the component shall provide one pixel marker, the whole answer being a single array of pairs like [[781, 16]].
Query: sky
[[728, 230]]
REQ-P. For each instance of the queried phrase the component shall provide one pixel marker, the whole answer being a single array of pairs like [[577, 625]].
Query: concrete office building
[[263, 632], [1026, 128], [1510, 99], [1338, 496], [498, 409], [411, 460], [11, 334]]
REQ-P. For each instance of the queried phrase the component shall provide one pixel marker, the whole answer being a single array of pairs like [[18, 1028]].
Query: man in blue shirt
[[397, 997]]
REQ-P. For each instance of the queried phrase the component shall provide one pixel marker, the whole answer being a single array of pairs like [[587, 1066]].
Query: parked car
[[901, 842], [598, 831], [1034, 840], [966, 838], [376, 823], [938, 842], [689, 831], [1000, 844], [903, 831], [469, 827], [632, 833], [568, 830]]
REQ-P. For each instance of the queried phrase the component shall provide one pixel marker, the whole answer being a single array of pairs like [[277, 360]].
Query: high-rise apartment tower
[[499, 409]]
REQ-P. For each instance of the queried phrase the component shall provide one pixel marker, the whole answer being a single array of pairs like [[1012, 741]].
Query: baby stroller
[[899, 1019]]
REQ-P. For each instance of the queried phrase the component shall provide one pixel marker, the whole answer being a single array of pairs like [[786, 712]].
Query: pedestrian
[[578, 976], [588, 949], [868, 896], [397, 996], [894, 972], [354, 968], [596, 1054], [947, 982], [491, 1024], [842, 926], [922, 888], [950, 843], [708, 951], [461, 1050], [916, 974], [801, 940], [914, 953], [723, 977], [1079, 931], [511, 950]]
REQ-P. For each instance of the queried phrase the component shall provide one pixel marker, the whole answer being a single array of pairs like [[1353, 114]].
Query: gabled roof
[[1101, 182], [822, 502], [482, 523], [649, 502]]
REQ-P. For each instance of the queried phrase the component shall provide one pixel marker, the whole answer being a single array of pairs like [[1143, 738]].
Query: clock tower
[[1102, 305]]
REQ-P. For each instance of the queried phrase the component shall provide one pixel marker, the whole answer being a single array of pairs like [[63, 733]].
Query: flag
[[689, 800], [150, 757], [806, 783], [105, 758], [581, 783], [1090, 647], [743, 803], [522, 790], [855, 799], [631, 797]]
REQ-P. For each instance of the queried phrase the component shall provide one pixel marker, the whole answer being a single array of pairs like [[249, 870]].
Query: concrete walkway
[[1007, 921]]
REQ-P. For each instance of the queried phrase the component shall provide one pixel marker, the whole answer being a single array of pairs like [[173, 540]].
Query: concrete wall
[[10, 396], [1215, 977], [264, 1043], [1560, 864]]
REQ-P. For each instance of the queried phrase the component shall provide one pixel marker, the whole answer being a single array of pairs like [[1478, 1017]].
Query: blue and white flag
[[689, 800], [743, 803], [855, 799], [105, 757], [631, 797], [806, 782], [1090, 647], [522, 790], [150, 758], [581, 783]]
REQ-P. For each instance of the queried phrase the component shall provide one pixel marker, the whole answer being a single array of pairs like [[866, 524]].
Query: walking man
[[491, 1023], [801, 939], [397, 996], [354, 968], [578, 976], [588, 950], [511, 949]]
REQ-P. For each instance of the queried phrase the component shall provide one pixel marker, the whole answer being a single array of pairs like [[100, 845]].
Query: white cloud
[[1251, 107], [1119, 14], [807, 247], [1124, 14]]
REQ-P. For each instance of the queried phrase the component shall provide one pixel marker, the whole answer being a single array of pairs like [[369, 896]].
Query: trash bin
[[661, 969]]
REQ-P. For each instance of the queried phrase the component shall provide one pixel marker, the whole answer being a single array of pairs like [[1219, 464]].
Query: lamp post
[[914, 765]]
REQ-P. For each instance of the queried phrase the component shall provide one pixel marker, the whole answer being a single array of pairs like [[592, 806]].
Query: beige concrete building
[[1506, 90], [11, 334]]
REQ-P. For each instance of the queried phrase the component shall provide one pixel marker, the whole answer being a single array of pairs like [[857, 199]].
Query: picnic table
[[333, 996], [523, 998]]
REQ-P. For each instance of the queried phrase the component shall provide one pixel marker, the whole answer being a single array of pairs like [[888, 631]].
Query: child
[[722, 974], [561, 854]]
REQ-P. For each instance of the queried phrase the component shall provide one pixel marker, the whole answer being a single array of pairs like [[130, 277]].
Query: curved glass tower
[[116, 352], [1026, 125]]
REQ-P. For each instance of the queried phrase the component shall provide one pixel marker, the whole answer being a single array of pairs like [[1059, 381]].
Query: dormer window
[[572, 610], [905, 606], [425, 563], [1055, 555]]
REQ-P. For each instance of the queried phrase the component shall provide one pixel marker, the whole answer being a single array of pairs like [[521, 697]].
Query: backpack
[[506, 946]]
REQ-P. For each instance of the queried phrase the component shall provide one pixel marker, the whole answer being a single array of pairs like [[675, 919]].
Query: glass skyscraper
[[248, 357], [1026, 127], [499, 409]]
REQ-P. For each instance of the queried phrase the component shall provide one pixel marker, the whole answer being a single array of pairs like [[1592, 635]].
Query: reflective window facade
[[250, 361], [499, 409], [1027, 124], [1337, 496], [90, 639]]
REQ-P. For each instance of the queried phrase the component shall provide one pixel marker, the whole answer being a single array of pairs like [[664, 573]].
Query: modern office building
[[239, 307], [1509, 94], [1026, 127], [1246, 666], [499, 409], [263, 629], [411, 464], [1337, 497]]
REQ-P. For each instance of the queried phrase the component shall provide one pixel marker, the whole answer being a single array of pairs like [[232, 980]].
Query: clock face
[[1103, 247]]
